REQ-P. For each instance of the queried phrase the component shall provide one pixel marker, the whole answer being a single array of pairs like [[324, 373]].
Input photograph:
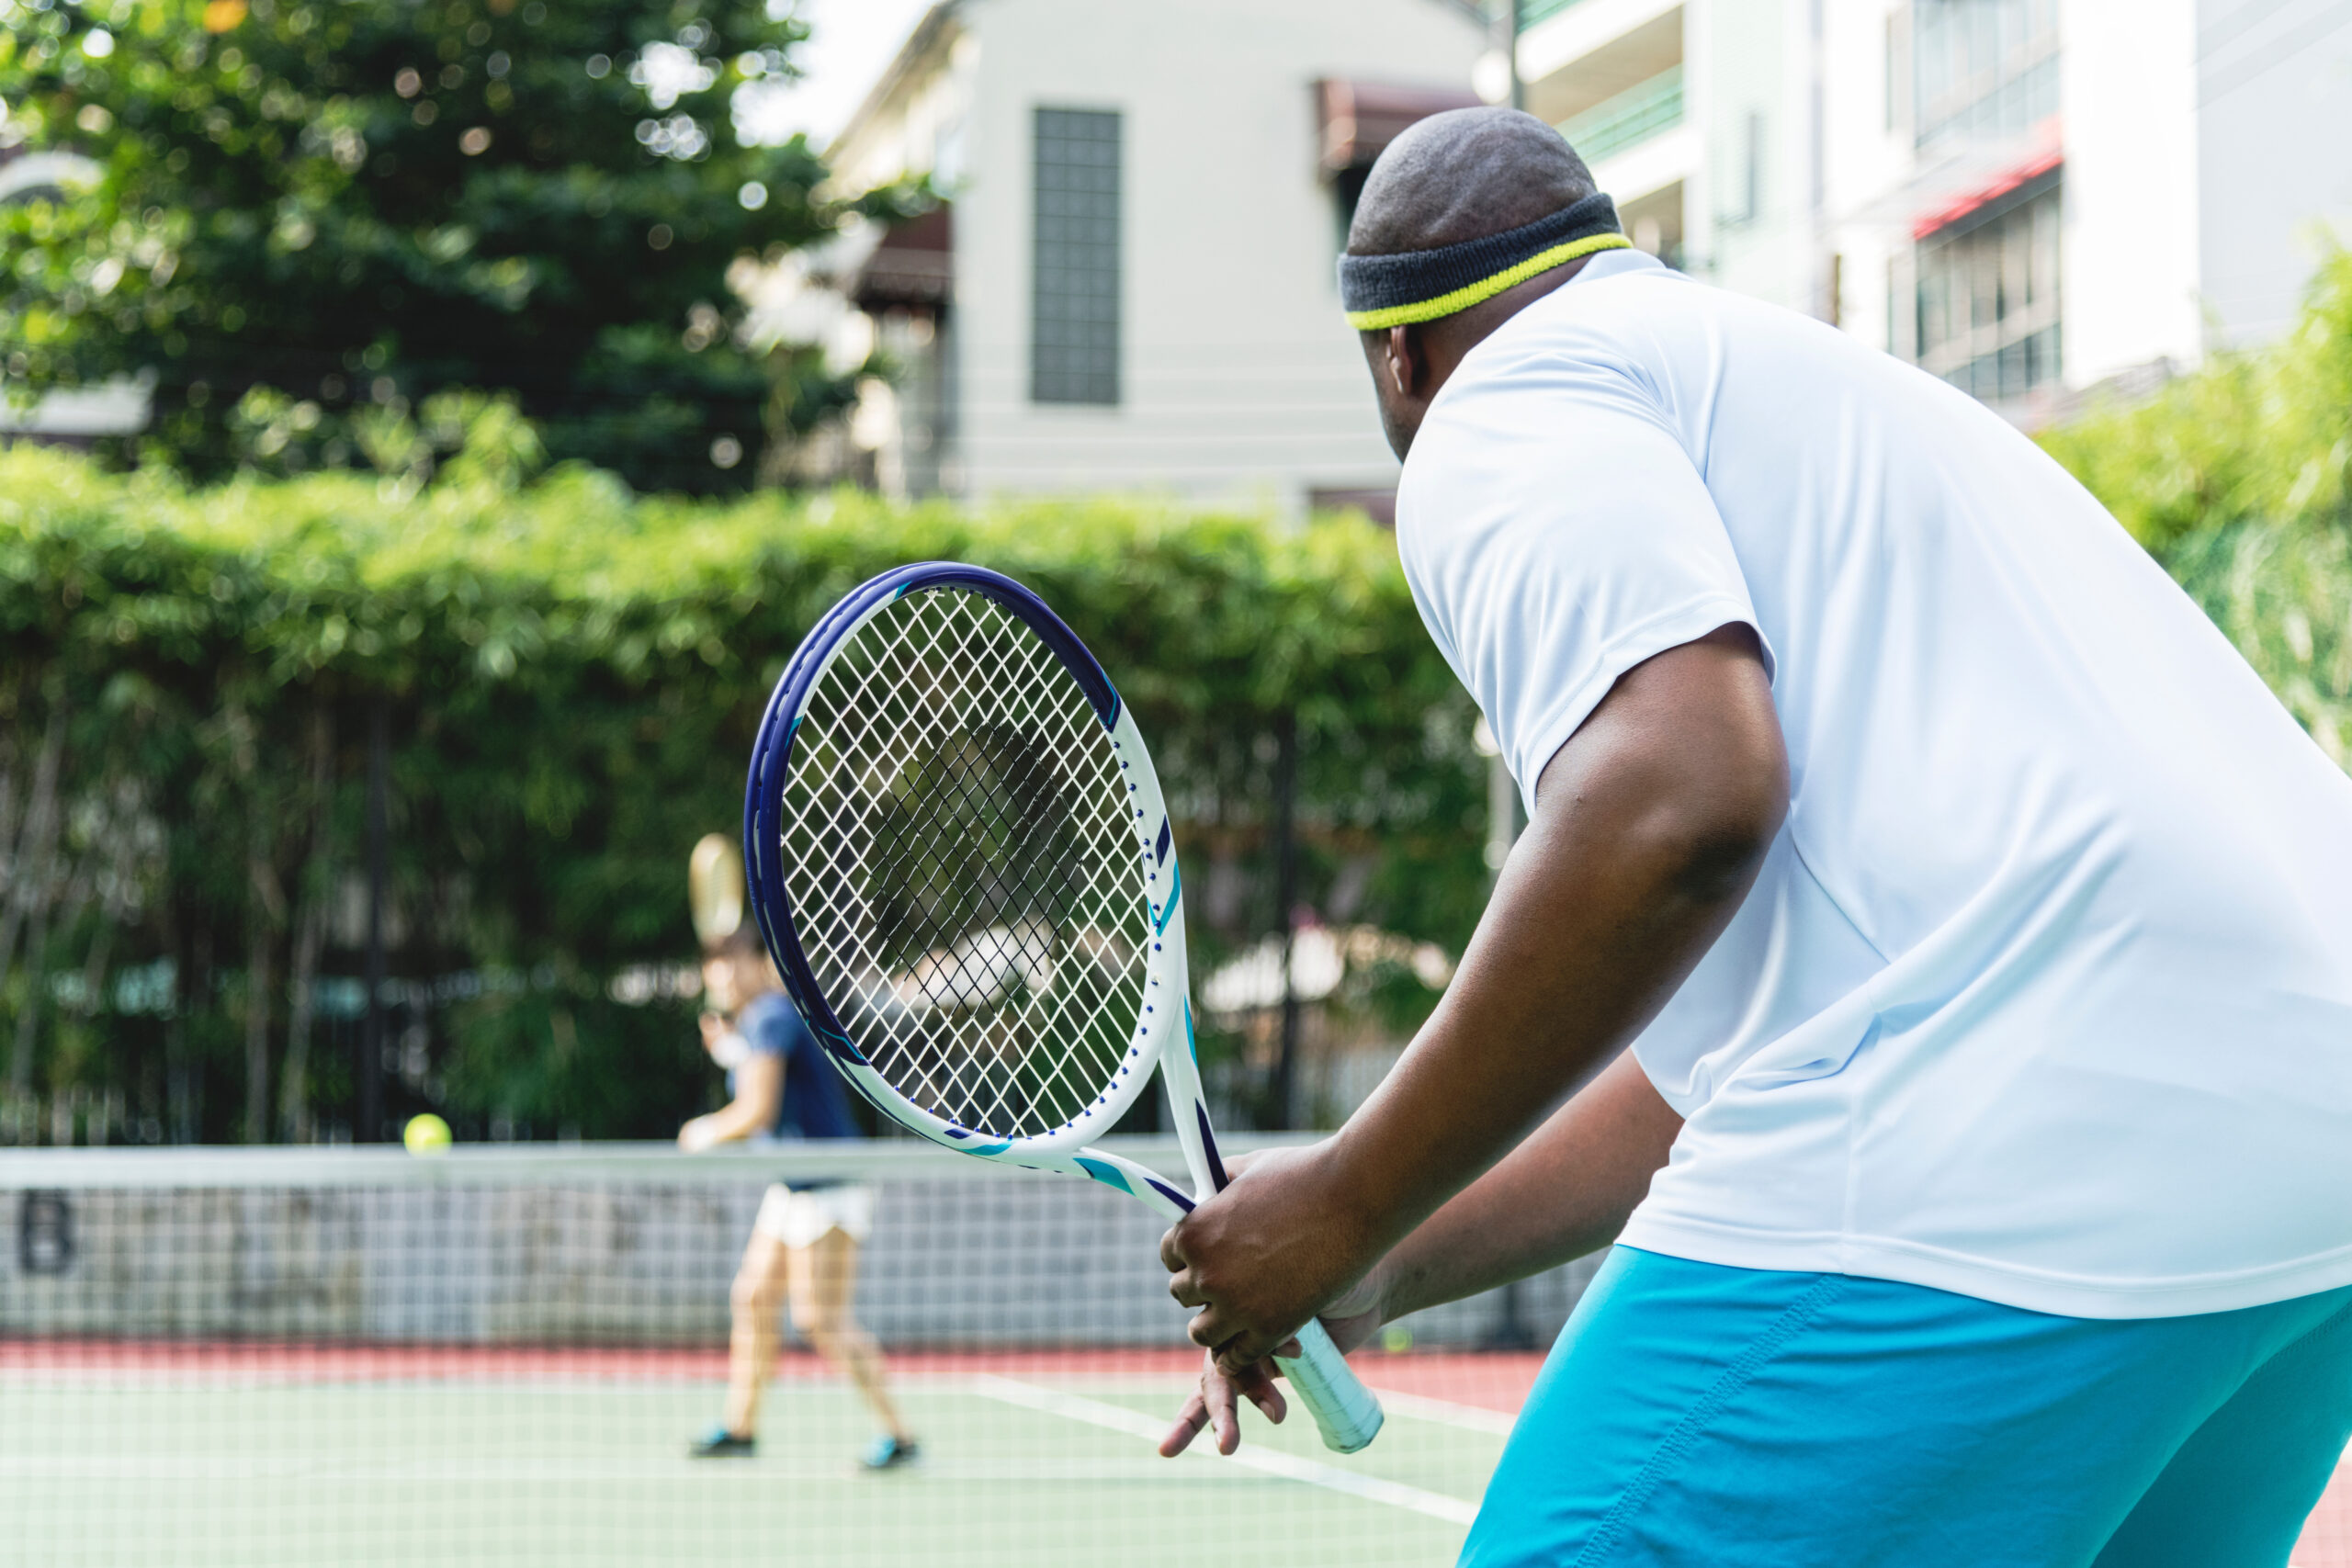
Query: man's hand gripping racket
[[962, 863]]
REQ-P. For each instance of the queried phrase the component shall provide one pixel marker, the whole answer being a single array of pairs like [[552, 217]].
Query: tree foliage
[[358, 203], [2239, 479], [571, 677]]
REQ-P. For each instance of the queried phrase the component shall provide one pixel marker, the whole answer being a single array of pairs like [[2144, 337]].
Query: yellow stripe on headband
[[1485, 288]]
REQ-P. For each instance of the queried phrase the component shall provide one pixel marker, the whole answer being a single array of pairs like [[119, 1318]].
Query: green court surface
[[1027, 1472]]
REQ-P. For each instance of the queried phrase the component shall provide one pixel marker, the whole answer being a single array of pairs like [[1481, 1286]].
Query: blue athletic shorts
[[1698, 1417]]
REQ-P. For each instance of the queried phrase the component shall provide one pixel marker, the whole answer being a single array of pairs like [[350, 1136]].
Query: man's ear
[[1404, 360]]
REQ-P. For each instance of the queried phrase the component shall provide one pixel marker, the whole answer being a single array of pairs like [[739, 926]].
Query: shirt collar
[[1615, 263]]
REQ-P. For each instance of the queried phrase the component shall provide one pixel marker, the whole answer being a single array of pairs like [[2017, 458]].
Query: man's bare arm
[[1568, 1191], [1649, 827]]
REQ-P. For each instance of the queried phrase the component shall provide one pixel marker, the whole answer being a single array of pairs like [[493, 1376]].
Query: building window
[[1988, 295], [1074, 298], [1984, 70], [1747, 186], [1898, 72]]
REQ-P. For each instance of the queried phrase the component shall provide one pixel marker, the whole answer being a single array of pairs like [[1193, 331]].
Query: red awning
[[1359, 118], [2045, 153], [913, 267]]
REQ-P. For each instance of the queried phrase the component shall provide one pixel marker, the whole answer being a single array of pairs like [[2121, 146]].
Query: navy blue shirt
[[815, 1103]]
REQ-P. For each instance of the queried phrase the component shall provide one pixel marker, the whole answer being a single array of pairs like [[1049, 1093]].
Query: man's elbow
[[1716, 857], [1700, 834], [1717, 829], [1682, 769], [1727, 789]]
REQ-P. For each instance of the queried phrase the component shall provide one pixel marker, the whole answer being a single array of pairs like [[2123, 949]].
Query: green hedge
[[572, 676]]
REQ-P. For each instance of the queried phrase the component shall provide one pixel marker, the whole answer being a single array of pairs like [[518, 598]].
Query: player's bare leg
[[824, 1277], [754, 1303]]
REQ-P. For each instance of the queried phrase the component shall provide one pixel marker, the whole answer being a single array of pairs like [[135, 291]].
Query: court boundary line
[[1267, 1461], [1448, 1411]]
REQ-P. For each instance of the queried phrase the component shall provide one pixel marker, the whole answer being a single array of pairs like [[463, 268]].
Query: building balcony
[[1533, 11], [1573, 53], [1627, 120]]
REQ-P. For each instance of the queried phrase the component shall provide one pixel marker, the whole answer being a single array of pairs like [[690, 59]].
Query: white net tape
[[967, 886]]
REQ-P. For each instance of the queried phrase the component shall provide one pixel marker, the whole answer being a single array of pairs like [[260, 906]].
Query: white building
[[1132, 288], [2029, 196]]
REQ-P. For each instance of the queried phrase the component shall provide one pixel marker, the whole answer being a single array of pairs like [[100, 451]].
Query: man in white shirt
[[1980, 1167]]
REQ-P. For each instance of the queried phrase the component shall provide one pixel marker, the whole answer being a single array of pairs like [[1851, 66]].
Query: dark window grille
[[1988, 318], [1984, 70], [1074, 305]]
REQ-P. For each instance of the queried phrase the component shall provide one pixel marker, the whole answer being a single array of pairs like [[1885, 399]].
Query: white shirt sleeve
[[1555, 534]]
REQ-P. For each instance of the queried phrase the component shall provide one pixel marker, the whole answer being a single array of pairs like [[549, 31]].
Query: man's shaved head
[[1464, 174]]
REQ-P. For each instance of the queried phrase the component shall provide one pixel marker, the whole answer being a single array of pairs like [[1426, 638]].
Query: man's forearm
[[1650, 828], [1564, 1192]]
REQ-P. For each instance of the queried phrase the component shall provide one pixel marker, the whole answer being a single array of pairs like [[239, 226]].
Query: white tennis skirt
[[798, 1218]]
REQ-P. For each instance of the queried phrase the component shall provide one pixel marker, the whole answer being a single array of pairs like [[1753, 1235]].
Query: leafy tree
[[357, 203], [2259, 436]]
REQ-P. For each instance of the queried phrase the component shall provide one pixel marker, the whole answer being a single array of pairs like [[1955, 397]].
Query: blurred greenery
[[2239, 479], [310, 213], [572, 676]]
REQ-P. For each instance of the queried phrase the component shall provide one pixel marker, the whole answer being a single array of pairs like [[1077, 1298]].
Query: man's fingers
[[1213, 1331], [1171, 1256], [1265, 1393], [1189, 1422], [1222, 1410], [1215, 1405]]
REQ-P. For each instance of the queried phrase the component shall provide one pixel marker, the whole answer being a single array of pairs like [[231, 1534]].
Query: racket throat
[[1218, 1181]]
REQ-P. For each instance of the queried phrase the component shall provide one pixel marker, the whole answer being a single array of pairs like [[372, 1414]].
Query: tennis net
[[355, 1357], [267, 1358]]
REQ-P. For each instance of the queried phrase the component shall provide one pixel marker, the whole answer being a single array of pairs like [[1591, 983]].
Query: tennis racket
[[715, 887], [963, 865]]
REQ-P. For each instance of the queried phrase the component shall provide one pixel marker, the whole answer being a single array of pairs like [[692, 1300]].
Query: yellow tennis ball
[[426, 1134]]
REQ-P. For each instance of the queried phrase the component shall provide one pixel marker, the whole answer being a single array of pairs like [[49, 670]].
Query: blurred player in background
[[805, 1242]]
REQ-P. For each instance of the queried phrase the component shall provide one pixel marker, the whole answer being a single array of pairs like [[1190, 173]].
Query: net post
[[367, 1118], [1287, 901]]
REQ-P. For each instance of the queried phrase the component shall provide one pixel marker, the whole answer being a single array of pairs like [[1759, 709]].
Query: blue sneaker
[[720, 1443], [891, 1453]]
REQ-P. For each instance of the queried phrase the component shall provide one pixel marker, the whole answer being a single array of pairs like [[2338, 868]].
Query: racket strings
[[978, 962], [963, 868]]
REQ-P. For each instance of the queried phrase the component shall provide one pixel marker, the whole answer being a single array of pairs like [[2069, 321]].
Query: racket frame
[[1166, 1011]]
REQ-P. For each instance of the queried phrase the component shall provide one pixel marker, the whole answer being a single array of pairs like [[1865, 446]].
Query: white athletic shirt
[[2044, 992]]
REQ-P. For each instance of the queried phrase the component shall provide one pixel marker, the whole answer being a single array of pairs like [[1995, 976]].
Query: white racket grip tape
[[1345, 1411]]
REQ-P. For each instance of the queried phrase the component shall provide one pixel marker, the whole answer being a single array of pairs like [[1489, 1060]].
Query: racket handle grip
[[1346, 1411]]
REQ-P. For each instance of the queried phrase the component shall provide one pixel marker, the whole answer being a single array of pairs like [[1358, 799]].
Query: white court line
[[1469, 1417], [205, 1469], [1267, 1461]]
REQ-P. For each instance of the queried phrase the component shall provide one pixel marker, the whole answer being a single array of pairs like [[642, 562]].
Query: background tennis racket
[[960, 859], [715, 887]]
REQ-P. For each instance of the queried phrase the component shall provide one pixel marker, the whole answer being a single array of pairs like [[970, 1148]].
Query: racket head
[[961, 859]]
